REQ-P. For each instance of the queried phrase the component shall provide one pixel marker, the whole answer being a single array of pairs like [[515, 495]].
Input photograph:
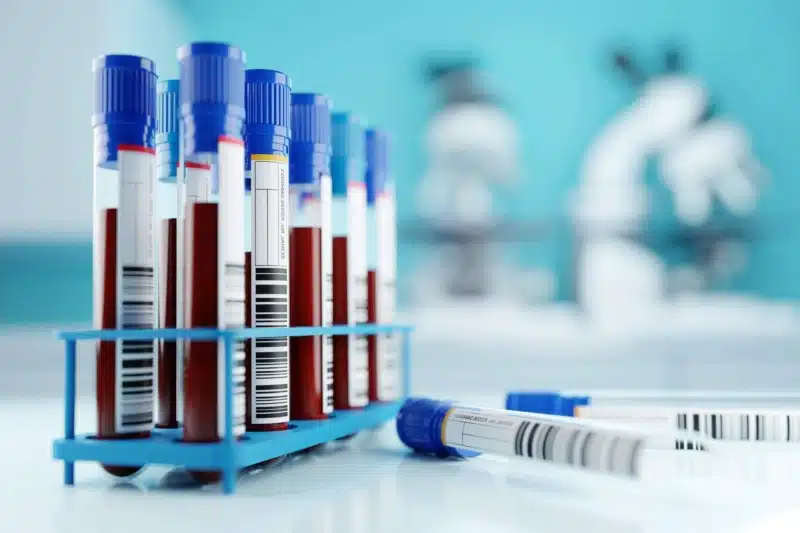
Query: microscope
[[471, 146], [703, 158]]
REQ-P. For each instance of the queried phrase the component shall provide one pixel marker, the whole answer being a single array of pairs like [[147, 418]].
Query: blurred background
[[589, 194]]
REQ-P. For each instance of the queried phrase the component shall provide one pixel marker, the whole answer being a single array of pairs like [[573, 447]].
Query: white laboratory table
[[373, 485]]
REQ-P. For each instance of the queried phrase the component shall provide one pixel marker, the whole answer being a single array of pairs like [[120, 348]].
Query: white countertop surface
[[373, 485]]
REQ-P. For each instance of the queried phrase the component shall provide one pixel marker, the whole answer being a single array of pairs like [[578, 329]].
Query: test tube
[[384, 367], [124, 123], [167, 206], [446, 429], [710, 415], [720, 423], [212, 123], [696, 398], [267, 136], [349, 223], [310, 261]]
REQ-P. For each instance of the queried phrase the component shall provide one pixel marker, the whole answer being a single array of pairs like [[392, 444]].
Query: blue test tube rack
[[230, 455]]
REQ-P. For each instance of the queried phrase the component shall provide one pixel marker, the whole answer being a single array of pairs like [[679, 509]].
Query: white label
[[388, 372], [136, 292], [326, 254], [716, 424], [658, 421], [653, 418], [544, 438], [198, 184], [230, 263], [269, 379], [358, 355]]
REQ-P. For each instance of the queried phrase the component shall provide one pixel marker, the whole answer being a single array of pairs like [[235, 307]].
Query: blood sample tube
[[695, 398], [310, 260], [446, 429], [349, 221], [167, 158], [384, 367], [212, 116], [124, 123], [267, 136]]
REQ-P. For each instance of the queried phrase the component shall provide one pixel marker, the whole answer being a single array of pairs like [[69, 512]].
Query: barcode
[[234, 315], [359, 375], [358, 369], [234, 308], [737, 426], [579, 447], [327, 344], [136, 358], [361, 299], [389, 368], [271, 297], [270, 379], [327, 348]]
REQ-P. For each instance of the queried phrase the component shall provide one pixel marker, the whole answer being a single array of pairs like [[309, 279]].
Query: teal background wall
[[46, 148], [548, 62]]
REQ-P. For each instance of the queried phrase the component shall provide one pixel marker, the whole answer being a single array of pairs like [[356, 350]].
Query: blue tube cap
[[347, 154], [168, 131], [124, 105], [545, 402], [211, 95], [579, 401], [542, 402], [377, 155], [268, 106], [310, 152], [419, 426]]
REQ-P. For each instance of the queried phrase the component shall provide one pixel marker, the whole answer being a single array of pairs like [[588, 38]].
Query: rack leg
[[229, 470], [69, 407]]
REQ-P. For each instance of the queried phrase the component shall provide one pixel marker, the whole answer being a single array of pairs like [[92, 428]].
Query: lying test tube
[[707, 415], [730, 424], [621, 455], [695, 398], [446, 429]]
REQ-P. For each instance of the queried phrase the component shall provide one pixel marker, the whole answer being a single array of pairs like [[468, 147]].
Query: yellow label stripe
[[444, 424], [270, 157]]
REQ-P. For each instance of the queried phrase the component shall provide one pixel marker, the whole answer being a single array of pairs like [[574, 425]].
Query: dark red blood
[[168, 307], [305, 309], [200, 359], [341, 343], [106, 353]]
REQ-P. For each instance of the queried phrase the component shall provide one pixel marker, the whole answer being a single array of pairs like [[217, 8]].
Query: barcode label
[[270, 284], [388, 366], [358, 356], [715, 424], [327, 293], [738, 426], [545, 439], [234, 310], [231, 290], [578, 447], [136, 293]]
